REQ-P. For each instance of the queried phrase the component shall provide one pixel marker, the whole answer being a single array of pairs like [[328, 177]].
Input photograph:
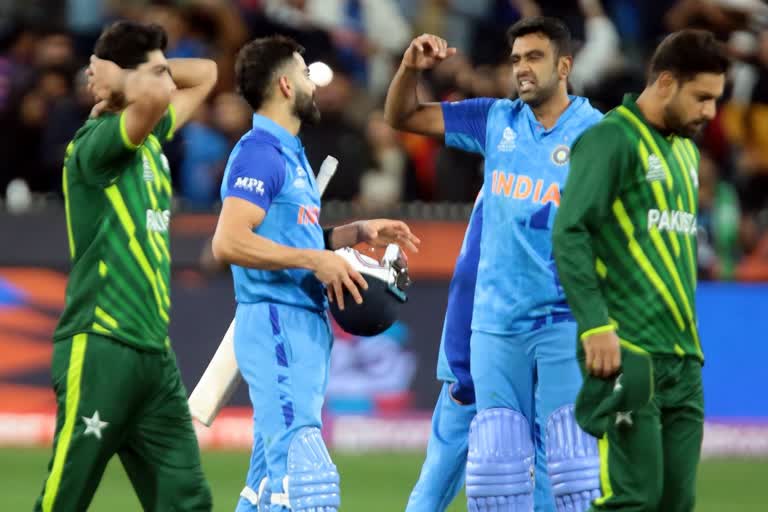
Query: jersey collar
[[284, 136], [538, 128], [630, 102]]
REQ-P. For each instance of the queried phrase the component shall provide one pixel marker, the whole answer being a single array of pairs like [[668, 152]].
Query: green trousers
[[649, 457], [114, 399]]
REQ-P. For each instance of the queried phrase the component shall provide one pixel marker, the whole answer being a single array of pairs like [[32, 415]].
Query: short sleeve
[[256, 173], [465, 123], [103, 149], [166, 127]]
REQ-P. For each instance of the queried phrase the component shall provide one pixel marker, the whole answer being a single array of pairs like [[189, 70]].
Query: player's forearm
[[347, 235], [249, 250], [145, 91], [147, 99], [575, 259], [188, 73], [402, 100]]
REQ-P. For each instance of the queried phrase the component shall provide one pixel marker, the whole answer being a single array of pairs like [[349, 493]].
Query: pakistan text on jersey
[[250, 184], [158, 220], [522, 187], [674, 220]]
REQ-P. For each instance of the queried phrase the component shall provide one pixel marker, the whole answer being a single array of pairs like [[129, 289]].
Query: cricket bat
[[222, 376]]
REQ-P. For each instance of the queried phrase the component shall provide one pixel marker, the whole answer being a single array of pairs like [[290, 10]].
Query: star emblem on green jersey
[[94, 425], [624, 418]]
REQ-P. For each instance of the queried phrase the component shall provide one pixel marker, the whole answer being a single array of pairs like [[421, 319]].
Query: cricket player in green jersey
[[118, 389], [625, 249]]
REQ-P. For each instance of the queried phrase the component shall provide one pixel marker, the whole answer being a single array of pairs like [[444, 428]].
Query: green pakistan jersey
[[118, 200], [625, 233]]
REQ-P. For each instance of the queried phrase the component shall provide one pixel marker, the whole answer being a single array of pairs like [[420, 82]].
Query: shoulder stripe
[[648, 138], [694, 153], [658, 192], [685, 165]]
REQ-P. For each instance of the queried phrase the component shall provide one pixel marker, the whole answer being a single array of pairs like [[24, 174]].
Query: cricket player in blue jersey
[[269, 232], [442, 473], [522, 359]]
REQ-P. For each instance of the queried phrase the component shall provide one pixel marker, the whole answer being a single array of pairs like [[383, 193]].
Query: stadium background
[[382, 388]]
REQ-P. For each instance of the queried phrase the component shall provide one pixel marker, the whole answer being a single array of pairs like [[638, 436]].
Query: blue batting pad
[[311, 482], [500, 462], [573, 462]]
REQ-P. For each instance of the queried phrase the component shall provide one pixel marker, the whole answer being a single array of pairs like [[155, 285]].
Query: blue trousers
[[533, 373], [284, 355], [442, 474]]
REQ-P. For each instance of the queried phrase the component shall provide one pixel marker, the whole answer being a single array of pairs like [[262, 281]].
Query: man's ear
[[285, 86], [564, 66], [667, 84]]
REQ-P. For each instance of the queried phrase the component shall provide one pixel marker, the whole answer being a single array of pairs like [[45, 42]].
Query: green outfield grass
[[370, 483]]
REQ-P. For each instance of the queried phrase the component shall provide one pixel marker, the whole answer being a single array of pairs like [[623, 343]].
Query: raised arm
[[194, 79], [403, 110], [146, 92]]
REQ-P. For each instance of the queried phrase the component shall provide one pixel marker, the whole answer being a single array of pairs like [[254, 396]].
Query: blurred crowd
[[44, 45]]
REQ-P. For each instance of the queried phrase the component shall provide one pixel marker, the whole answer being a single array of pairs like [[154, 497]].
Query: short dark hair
[[127, 43], [554, 30], [687, 53], [257, 63]]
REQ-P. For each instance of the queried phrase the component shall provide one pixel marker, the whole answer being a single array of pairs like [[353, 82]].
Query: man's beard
[[306, 109], [542, 94], [673, 121]]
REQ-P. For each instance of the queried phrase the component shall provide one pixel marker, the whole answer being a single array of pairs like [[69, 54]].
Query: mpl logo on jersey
[[250, 184], [308, 215], [522, 188]]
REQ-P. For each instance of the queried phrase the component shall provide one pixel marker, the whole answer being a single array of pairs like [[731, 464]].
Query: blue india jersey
[[525, 168], [268, 167], [453, 358]]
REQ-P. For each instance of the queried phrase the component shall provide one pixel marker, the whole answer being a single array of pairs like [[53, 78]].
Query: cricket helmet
[[387, 281]]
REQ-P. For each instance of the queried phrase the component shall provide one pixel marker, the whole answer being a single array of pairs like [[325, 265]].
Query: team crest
[[561, 154], [507, 143]]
